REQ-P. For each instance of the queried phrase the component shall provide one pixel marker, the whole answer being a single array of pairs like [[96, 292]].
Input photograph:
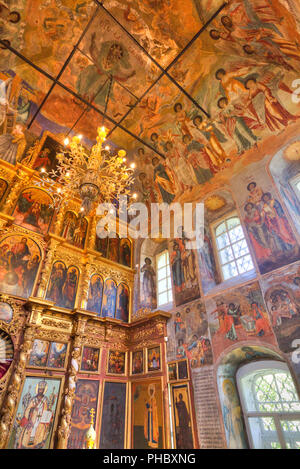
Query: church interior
[[113, 340]]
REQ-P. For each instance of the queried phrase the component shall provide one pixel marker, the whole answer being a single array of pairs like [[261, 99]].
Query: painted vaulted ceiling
[[203, 85]]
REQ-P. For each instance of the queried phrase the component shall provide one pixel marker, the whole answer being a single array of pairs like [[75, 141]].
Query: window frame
[[170, 297], [213, 226], [293, 184], [259, 366]]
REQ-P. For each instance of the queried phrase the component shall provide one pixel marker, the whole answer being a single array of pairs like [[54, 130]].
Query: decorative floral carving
[[65, 421], [13, 328], [20, 181], [10, 402], [56, 323], [141, 313]]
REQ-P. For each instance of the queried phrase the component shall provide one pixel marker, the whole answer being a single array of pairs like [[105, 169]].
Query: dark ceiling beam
[[165, 70], [64, 66], [86, 109], [107, 74], [77, 96]]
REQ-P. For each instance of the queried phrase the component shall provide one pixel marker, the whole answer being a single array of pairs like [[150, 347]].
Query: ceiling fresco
[[189, 90]]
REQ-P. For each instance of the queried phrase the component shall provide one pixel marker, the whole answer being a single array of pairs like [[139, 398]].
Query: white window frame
[[260, 366], [169, 291], [293, 183], [213, 228]]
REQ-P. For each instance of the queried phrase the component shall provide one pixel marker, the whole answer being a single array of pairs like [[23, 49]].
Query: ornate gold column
[[92, 233], [21, 180], [45, 273], [11, 399], [64, 427], [83, 286], [60, 218]]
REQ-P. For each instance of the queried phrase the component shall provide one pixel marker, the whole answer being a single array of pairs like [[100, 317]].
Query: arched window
[[163, 275], [233, 253], [270, 404]]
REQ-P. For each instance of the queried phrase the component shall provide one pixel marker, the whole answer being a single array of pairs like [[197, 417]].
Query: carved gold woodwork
[[11, 399], [72, 205], [57, 252], [50, 322], [5, 220], [149, 329], [94, 334], [81, 295], [141, 313], [46, 271], [98, 266], [30, 154], [20, 231], [6, 174], [60, 218], [116, 335], [13, 328], [54, 329], [64, 427], [20, 181], [91, 238]]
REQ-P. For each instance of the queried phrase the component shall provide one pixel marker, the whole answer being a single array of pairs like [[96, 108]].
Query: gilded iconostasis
[[204, 98]]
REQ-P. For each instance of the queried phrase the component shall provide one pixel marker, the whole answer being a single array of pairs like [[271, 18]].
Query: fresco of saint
[[125, 252], [183, 425], [148, 284], [62, 287], [238, 315], [33, 210], [74, 229], [39, 353], [35, 415], [46, 158], [86, 398], [101, 245], [109, 299], [113, 416], [122, 311], [154, 359], [137, 362], [110, 58], [282, 297], [19, 262], [234, 426], [12, 146], [95, 294], [57, 355], [114, 249], [164, 181], [116, 362], [184, 271], [151, 432], [90, 359], [269, 230]]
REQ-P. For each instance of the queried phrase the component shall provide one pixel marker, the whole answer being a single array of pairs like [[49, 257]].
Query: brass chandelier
[[97, 176]]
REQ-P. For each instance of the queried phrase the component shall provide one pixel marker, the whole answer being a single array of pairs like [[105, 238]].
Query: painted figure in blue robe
[[177, 267], [95, 296], [110, 294], [123, 304]]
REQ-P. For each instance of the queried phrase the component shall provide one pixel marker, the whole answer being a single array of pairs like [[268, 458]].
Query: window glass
[[233, 253], [164, 285], [271, 406]]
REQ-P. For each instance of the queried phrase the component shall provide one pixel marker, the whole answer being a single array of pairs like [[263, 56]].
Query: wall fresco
[[238, 315]]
